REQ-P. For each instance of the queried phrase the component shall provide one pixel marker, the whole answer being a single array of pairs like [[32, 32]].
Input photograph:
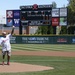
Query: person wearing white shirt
[[6, 46]]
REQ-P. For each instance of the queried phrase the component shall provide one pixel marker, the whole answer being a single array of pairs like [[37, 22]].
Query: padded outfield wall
[[42, 40]]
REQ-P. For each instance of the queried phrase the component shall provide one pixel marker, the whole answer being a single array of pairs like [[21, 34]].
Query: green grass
[[43, 47], [62, 65]]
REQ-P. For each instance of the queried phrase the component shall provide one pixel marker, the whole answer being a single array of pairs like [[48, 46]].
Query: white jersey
[[5, 43]]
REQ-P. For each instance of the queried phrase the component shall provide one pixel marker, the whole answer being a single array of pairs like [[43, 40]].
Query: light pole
[[2, 23]]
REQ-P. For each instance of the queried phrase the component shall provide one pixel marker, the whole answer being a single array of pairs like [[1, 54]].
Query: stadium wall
[[42, 40]]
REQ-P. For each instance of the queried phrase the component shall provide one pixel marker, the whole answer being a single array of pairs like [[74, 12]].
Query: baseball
[[13, 26]]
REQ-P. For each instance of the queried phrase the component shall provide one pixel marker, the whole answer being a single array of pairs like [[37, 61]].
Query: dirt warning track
[[45, 53]]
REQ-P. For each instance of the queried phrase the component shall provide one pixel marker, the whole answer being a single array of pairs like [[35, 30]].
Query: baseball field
[[60, 57]]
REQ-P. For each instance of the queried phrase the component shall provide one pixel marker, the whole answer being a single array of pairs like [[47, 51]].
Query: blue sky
[[15, 4]]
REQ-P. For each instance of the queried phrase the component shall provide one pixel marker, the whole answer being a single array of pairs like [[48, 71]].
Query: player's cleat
[[8, 63], [3, 63]]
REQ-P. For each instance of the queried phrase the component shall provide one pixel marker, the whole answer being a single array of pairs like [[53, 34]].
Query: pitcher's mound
[[18, 67]]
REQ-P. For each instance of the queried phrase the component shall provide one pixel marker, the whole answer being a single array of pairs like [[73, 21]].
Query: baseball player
[[6, 47]]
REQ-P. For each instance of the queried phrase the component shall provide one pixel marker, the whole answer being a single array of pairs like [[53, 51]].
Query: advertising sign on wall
[[63, 12], [13, 40], [73, 40], [55, 21], [13, 17], [16, 13], [16, 22], [9, 13], [9, 22], [62, 40], [55, 12], [35, 40], [63, 21]]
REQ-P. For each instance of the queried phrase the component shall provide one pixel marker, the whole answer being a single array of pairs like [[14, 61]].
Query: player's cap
[[4, 33]]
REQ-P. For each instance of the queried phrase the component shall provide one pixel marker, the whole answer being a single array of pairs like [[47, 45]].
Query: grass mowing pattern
[[43, 47], [62, 65]]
